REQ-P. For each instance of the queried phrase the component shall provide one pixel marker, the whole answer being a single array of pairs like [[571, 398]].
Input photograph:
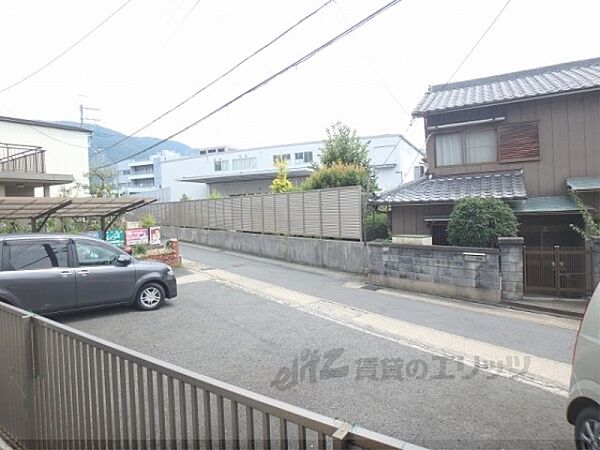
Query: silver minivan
[[47, 273], [583, 410]]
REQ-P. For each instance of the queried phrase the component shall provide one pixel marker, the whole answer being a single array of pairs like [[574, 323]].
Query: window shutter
[[518, 142]]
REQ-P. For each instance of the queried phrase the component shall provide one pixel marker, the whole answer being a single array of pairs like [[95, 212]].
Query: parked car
[[54, 273], [584, 398]]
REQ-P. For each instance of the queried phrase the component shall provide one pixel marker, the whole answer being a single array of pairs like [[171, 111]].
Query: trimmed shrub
[[479, 222]]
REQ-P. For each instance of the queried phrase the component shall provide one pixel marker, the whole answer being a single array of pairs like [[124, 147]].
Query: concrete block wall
[[511, 267], [349, 256], [457, 272]]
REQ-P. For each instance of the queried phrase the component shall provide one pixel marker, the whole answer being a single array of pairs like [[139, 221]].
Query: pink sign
[[134, 236]]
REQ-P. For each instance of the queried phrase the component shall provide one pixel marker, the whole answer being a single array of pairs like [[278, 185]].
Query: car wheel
[[150, 296], [587, 429]]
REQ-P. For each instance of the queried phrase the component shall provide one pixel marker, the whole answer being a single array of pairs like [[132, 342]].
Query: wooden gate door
[[558, 271]]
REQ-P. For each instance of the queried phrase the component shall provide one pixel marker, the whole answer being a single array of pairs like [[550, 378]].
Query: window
[[448, 149], [480, 146], [283, 157], [37, 255], [243, 163], [202, 152], [471, 147], [301, 157], [221, 165], [94, 254]]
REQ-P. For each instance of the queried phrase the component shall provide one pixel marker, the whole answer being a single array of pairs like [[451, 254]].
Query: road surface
[[434, 372]]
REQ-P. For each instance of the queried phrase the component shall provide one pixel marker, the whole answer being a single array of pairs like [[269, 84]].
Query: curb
[[544, 309]]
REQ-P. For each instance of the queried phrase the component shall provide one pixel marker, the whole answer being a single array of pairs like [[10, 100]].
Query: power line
[[464, 60], [269, 79], [65, 51], [470, 52], [372, 66], [220, 77], [185, 18]]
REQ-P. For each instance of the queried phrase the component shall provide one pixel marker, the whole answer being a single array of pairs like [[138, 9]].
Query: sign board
[[135, 236], [154, 235], [116, 237]]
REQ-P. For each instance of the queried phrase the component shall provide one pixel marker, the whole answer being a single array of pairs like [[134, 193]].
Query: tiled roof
[[506, 185], [560, 78], [584, 183]]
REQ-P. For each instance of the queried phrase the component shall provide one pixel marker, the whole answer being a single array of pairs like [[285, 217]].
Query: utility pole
[[82, 114]]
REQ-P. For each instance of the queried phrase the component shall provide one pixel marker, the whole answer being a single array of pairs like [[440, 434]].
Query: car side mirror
[[124, 260]]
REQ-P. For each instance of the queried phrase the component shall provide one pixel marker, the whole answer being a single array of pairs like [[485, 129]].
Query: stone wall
[[349, 256], [456, 272]]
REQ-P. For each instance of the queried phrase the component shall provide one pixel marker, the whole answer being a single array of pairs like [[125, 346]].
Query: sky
[[153, 54]]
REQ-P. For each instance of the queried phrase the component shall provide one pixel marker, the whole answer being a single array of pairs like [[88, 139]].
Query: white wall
[[177, 168], [66, 150]]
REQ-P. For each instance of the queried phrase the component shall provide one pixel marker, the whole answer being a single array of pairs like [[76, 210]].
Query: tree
[[479, 222], [343, 148], [280, 182], [591, 228], [184, 198], [103, 182]]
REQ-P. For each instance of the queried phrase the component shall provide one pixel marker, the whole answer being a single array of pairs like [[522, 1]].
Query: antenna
[[82, 114]]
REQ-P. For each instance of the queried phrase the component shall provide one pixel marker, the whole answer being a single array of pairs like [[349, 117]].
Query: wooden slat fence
[[324, 213]]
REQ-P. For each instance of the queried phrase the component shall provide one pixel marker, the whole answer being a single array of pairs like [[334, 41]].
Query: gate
[[558, 271]]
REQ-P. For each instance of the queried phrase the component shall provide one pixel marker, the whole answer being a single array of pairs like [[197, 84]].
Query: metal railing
[[64, 389], [22, 158], [324, 213]]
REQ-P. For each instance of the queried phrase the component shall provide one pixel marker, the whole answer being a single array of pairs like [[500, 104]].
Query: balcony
[[23, 168], [22, 158]]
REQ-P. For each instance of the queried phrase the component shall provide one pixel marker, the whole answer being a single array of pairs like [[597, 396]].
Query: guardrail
[[64, 389]]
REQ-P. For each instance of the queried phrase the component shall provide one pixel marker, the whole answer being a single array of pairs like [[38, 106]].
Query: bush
[[479, 222], [147, 221], [376, 226], [338, 175], [139, 249]]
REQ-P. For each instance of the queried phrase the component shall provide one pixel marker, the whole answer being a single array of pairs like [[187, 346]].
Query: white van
[[584, 397]]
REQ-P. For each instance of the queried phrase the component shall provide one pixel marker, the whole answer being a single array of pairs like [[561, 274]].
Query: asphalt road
[[242, 319]]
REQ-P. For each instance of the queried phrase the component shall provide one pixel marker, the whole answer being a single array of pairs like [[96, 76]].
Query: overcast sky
[[148, 58]]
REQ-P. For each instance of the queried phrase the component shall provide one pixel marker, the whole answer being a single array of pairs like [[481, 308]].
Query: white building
[[39, 158], [144, 176], [251, 171]]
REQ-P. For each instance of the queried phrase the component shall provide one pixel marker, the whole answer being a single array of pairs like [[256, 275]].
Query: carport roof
[[13, 208]]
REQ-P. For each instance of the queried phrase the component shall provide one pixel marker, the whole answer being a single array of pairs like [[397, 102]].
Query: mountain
[[103, 137]]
